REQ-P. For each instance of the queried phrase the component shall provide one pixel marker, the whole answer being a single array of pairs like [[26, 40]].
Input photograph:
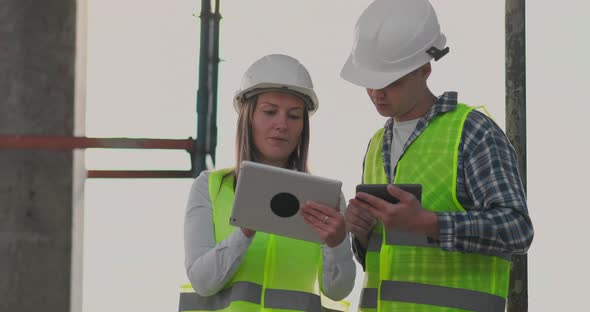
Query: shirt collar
[[444, 103]]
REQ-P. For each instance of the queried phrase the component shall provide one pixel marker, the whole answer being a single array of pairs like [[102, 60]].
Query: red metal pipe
[[63, 142], [139, 174]]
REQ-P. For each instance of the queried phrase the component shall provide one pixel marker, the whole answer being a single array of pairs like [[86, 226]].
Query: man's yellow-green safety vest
[[276, 274], [404, 271]]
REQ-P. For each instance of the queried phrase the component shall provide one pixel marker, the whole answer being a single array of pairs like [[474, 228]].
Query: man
[[450, 249]]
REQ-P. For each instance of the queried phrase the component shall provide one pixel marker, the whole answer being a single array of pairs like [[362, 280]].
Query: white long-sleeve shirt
[[209, 266]]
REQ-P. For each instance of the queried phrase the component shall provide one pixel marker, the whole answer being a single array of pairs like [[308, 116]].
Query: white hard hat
[[277, 72], [392, 38]]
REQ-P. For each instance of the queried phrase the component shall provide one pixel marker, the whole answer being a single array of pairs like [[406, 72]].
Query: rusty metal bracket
[[36, 142]]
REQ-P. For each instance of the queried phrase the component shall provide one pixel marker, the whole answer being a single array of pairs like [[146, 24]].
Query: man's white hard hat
[[392, 38], [277, 72]]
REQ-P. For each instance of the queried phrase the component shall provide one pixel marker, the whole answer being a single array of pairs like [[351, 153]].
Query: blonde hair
[[246, 150]]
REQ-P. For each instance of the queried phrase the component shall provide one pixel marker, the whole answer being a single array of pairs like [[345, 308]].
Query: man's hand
[[407, 215], [359, 222], [326, 221], [249, 233]]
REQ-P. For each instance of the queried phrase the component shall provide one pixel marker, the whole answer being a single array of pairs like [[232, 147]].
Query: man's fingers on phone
[[363, 218], [373, 211], [367, 217], [367, 199], [363, 226], [371, 203], [399, 193]]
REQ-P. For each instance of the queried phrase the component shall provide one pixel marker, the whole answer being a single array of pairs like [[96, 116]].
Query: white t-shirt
[[401, 133]]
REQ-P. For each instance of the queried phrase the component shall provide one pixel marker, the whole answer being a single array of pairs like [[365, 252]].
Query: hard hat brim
[[312, 106], [380, 79], [368, 78]]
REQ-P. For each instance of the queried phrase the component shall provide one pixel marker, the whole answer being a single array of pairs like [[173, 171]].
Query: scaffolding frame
[[199, 149]]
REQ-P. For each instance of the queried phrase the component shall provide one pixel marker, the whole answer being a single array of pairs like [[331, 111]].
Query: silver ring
[[325, 220]]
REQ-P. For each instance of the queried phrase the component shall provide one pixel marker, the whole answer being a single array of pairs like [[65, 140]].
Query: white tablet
[[268, 199]]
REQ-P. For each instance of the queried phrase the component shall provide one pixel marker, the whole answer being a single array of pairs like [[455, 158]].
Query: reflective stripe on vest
[[240, 291], [396, 260], [251, 292], [291, 300], [369, 298], [441, 296]]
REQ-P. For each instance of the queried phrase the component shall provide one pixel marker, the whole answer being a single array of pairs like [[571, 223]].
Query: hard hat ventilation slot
[[436, 53]]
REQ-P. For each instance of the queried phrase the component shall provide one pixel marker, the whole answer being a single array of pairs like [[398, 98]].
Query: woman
[[238, 269]]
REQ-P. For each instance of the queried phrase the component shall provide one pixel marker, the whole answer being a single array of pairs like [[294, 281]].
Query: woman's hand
[[326, 221]]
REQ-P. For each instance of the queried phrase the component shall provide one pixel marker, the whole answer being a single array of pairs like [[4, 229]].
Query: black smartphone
[[380, 190]]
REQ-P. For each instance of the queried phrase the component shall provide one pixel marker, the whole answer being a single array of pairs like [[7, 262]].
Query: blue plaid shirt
[[488, 186]]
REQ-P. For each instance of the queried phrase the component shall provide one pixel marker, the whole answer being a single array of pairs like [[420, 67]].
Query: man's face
[[400, 99]]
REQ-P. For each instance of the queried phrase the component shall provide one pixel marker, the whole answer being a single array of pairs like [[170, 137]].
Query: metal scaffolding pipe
[[20, 142], [207, 91], [64, 142], [140, 174]]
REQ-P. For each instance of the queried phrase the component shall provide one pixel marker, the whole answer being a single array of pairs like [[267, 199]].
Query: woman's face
[[277, 124]]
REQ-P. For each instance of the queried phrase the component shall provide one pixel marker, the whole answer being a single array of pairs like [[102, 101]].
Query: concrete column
[[516, 131], [42, 82]]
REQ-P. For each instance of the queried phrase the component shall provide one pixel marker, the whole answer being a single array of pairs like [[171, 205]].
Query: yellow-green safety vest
[[406, 272], [276, 274]]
